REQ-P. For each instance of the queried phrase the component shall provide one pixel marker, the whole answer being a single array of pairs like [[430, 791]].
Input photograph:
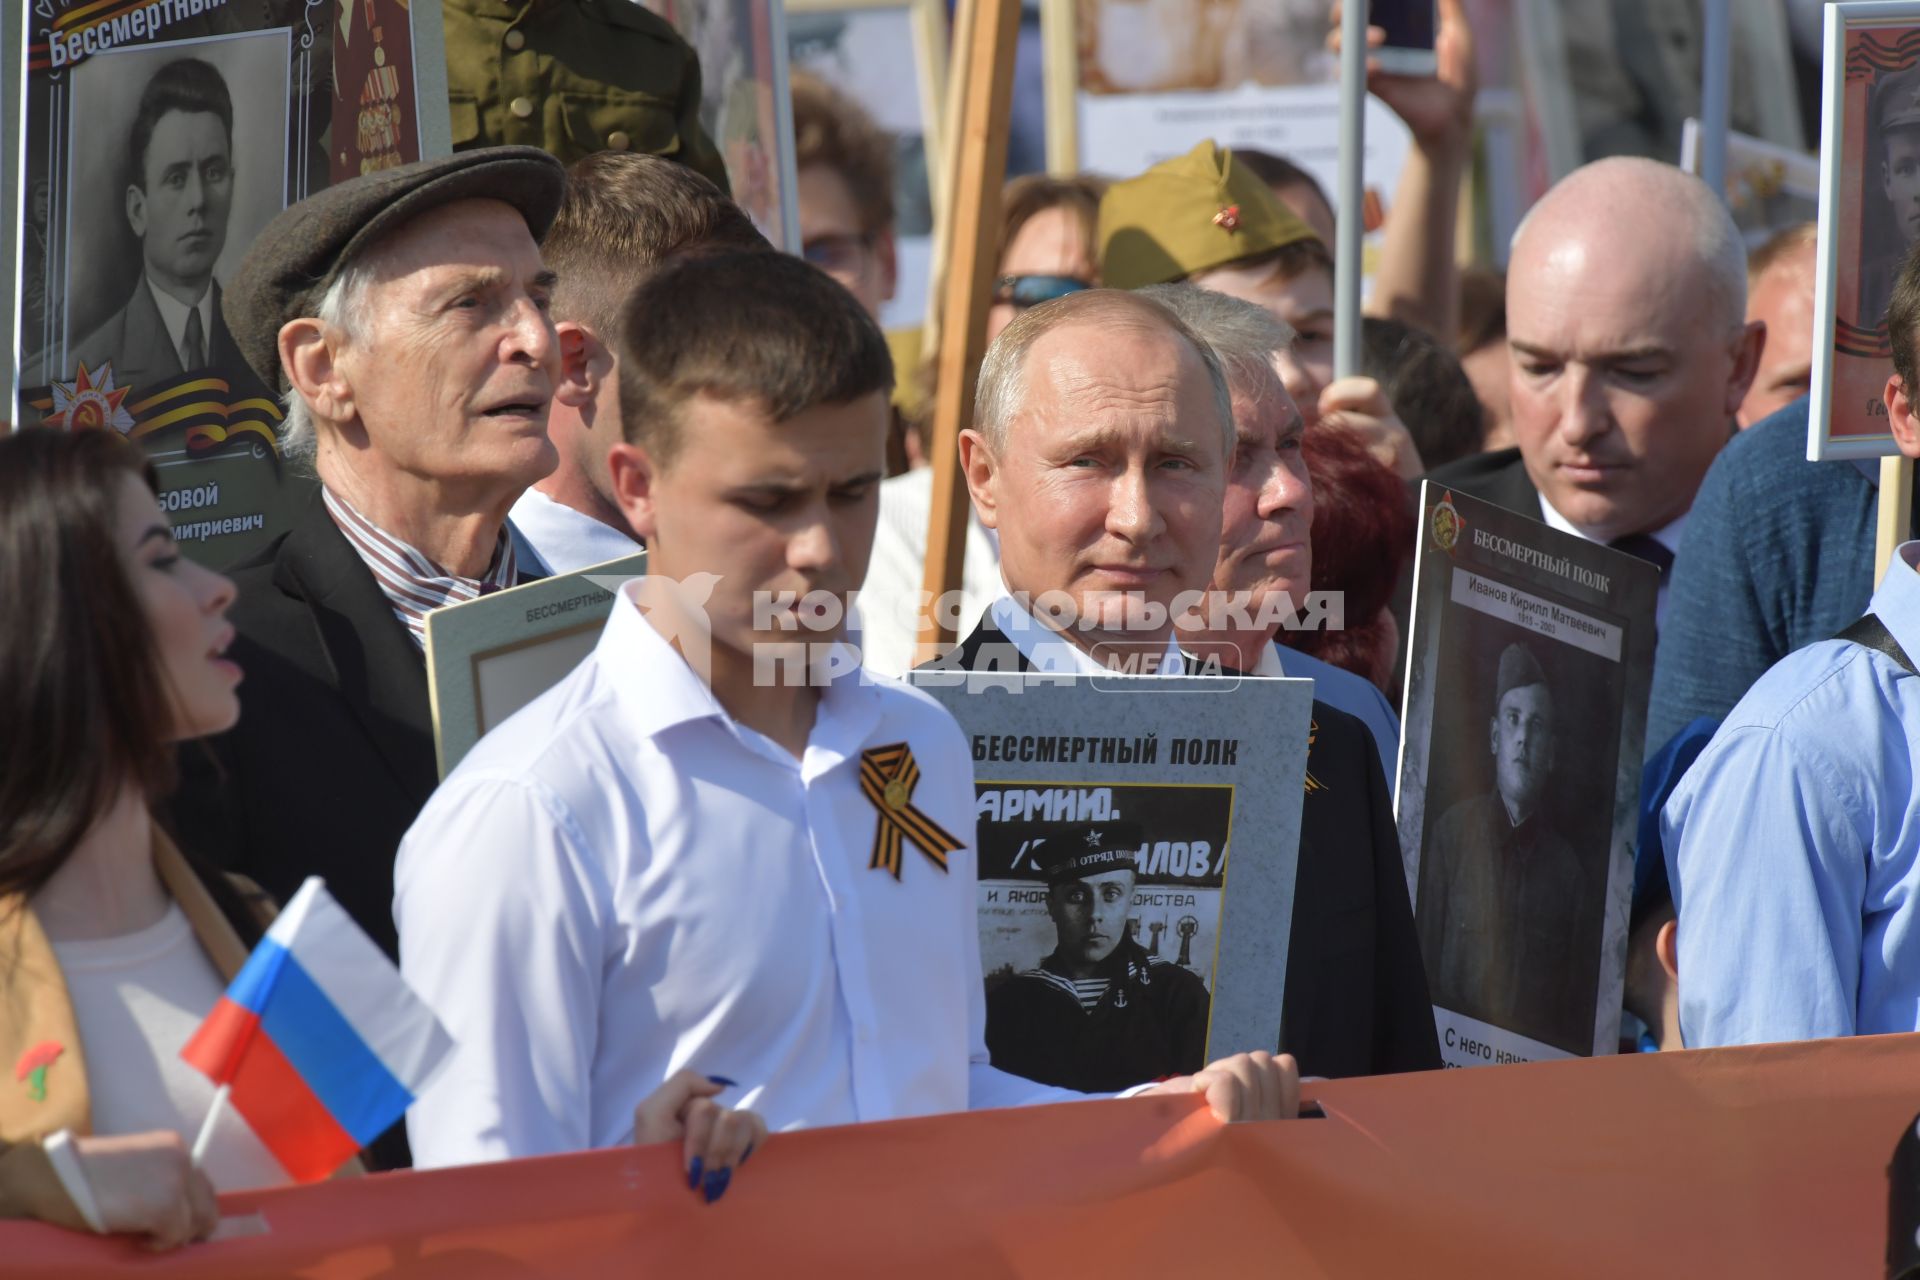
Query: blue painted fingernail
[[717, 1184], [723, 1082], [745, 1154], [693, 1174]]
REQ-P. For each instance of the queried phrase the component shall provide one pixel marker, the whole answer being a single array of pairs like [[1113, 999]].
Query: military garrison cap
[[1896, 100], [292, 263], [1518, 669], [1190, 214], [1092, 851]]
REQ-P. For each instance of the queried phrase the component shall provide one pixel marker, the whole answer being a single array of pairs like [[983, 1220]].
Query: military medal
[[888, 776]]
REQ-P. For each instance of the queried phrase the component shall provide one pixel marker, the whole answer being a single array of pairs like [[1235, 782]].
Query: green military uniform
[[1187, 215], [574, 77]]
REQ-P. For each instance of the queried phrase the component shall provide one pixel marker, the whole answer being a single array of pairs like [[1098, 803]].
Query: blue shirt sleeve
[[1769, 874]]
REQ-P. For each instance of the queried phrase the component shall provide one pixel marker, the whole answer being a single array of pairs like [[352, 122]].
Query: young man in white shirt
[[682, 857]]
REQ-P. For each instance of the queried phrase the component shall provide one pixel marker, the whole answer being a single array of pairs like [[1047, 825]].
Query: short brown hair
[[82, 693], [761, 328], [832, 130], [622, 216], [1903, 322], [1782, 244], [1032, 194], [1288, 262]]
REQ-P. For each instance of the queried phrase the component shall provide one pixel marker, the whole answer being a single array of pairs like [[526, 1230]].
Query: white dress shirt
[[889, 599], [565, 539], [622, 881], [1049, 651], [173, 314], [1667, 535]]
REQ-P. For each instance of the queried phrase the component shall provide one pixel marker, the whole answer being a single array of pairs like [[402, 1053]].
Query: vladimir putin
[[1098, 1013], [1509, 919], [179, 192]]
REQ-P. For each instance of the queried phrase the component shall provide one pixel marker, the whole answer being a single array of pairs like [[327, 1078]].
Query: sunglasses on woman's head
[[1031, 291]]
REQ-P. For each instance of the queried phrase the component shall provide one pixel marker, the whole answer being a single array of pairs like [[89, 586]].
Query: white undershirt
[[1667, 535], [138, 999]]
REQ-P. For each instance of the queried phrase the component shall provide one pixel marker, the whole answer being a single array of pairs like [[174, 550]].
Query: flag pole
[[205, 1137], [1348, 221]]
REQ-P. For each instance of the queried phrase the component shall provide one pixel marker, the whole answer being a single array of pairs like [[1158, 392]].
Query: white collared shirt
[[173, 314], [889, 599], [622, 881], [1049, 651], [565, 539], [1667, 535]]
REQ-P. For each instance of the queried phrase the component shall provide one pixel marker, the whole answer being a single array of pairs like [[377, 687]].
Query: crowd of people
[[644, 905]]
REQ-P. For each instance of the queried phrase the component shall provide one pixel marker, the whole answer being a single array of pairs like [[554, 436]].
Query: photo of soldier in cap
[[1893, 167], [1101, 1012], [1509, 912], [184, 162]]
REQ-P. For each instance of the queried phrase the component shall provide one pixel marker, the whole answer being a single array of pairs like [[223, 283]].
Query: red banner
[[1749, 1162]]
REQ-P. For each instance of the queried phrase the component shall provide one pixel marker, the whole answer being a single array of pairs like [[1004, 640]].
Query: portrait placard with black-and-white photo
[[1135, 880], [1529, 662], [160, 138]]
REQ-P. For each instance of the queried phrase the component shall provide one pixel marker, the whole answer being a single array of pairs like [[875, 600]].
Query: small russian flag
[[320, 1042]]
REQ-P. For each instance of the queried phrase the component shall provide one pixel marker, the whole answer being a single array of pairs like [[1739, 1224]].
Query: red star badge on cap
[[1228, 219]]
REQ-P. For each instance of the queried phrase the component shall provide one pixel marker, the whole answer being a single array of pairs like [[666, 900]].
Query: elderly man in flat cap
[[1101, 454], [1510, 919], [403, 315]]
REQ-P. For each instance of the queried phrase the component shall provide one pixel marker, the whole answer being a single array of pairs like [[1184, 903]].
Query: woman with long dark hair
[[114, 944]]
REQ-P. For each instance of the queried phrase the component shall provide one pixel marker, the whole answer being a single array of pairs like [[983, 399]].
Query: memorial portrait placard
[[1530, 655], [1138, 839], [1869, 217], [159, 138], [491, 656]]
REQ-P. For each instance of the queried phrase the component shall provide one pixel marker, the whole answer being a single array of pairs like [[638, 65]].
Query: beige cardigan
[[35, 1011]]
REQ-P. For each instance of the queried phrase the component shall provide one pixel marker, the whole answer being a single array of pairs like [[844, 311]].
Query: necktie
[[193, 348], [1648, 548]]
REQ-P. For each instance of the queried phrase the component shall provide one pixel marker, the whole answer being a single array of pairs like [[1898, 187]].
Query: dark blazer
[[1499, 477], [135, 339], [333, 756], [1356, 1000]]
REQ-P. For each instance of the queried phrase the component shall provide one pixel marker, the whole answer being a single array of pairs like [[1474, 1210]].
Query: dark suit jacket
[[1356, 1000], [135, 339], [1499, 477], [333, 756]]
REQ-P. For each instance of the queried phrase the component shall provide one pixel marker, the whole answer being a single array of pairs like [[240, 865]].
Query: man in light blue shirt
[[1794, 841]]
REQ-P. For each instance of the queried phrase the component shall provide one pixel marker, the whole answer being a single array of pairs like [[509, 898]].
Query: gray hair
[[1661, 191], [1002, 388], [340, 308], [1243, 334]]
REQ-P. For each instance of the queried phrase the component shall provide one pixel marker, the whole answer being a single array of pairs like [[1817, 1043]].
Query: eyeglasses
[[1030, 291], [840, 253]]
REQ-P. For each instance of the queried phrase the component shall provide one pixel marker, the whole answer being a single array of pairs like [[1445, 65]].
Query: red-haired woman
[[114, 944]]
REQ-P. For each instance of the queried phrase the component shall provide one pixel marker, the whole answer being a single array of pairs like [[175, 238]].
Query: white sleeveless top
[[138, 999]]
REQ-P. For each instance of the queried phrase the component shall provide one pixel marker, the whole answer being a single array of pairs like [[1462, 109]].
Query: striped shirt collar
[[412, 583]]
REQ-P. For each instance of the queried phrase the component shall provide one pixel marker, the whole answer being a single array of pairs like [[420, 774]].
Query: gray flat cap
[[292, 263]]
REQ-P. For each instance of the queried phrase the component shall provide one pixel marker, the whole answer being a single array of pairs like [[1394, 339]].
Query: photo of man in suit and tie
[[178, 197]]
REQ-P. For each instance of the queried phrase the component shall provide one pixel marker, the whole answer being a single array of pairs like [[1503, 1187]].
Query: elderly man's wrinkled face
[[1626, 373], [1090, 916], [1267, 519], [1523, 747], [1109, 483], [453, 359]]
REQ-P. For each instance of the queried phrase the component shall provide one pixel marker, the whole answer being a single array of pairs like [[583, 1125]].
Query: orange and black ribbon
[[888, 776]]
